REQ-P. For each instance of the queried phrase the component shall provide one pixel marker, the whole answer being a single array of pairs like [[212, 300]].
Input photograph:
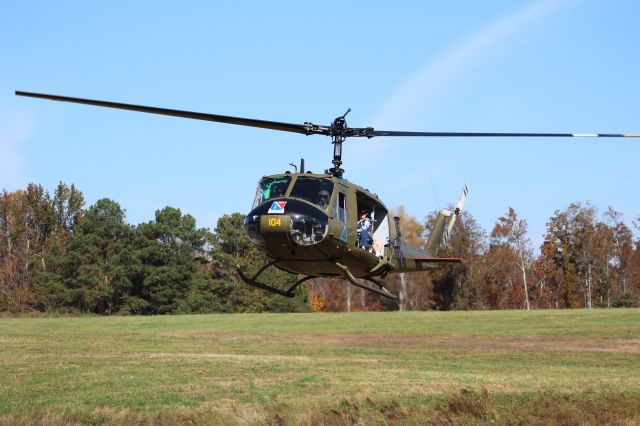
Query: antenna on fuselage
[[302, 165]]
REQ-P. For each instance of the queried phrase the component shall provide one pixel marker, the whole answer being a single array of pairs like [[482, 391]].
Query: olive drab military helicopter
[[308, 223]]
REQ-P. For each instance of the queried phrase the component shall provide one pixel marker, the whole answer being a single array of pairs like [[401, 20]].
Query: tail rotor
[[456, 213]]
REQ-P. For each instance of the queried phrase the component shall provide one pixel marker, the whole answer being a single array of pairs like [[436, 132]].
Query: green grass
[[322, 368]]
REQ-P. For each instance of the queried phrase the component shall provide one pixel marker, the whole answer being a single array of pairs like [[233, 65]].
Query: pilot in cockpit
[[323, 198]]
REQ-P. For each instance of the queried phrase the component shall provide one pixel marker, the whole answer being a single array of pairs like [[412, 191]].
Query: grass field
[[568, 367]]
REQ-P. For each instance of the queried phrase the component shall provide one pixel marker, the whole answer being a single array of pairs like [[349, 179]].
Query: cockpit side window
[[269, 188], [315, 190]]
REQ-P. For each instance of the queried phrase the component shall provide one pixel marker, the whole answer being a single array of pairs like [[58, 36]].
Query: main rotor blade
[[467, 134], [306, 128], [273, 125]]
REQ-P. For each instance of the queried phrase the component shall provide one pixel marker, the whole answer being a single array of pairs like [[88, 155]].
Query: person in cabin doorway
[[364, 224]]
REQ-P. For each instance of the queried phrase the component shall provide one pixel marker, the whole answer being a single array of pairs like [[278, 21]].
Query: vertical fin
[[437, 232]]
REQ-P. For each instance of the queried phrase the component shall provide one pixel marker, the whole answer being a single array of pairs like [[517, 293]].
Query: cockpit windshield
[[269, 188], [315, 190]]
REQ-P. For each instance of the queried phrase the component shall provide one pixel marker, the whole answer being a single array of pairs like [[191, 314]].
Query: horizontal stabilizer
[[439, 259]]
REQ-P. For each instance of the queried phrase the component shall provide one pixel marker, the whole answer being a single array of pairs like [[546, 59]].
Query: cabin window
[[269, 188], [315, 190], [340, 211]]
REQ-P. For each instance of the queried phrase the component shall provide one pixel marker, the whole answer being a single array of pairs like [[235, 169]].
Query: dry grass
[[465, 407]]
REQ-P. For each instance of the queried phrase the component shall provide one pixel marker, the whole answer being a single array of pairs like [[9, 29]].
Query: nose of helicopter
[[303, 223]]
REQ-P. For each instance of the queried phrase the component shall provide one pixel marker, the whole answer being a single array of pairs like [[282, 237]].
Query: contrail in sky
[[416, 90]]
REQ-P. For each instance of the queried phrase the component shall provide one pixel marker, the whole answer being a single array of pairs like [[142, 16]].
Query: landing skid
[[379, 289], [252, 281]]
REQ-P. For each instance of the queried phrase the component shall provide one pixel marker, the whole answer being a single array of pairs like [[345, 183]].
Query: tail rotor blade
[[457, 211]]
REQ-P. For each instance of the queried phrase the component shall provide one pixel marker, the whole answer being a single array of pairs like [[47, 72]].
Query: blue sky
[[532, 66]]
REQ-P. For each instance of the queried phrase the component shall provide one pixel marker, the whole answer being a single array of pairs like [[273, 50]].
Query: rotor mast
[[338, 135], [339, 132]]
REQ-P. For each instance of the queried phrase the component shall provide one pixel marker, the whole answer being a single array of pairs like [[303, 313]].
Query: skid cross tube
[[252, 281], [381, 291]]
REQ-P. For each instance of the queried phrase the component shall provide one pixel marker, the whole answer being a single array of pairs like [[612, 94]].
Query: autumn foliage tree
[[459, 285], [31, 222], [587, 261], [511, 249]]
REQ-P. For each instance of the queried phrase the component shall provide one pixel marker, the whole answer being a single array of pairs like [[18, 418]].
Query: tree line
[[586, 260], [56, 255]]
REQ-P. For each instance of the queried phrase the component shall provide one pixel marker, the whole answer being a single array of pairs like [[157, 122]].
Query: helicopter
[[322, 225]]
